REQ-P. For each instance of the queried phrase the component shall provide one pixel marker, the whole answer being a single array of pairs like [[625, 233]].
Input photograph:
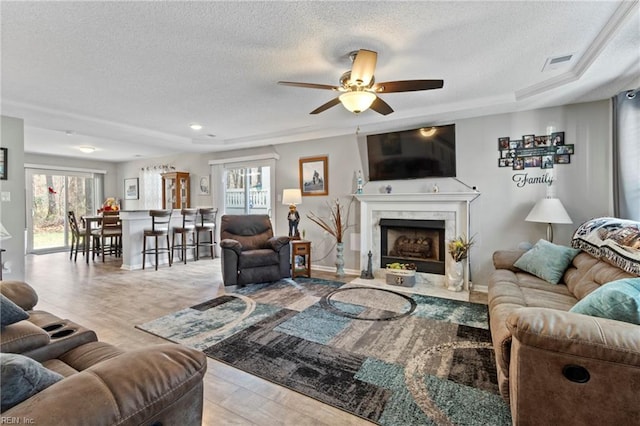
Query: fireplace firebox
[[420, 242]]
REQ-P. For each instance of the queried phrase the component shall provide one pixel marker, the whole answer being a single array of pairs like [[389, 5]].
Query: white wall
[[12, 212]]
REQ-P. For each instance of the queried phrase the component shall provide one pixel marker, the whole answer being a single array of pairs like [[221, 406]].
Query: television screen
[[412, 154]]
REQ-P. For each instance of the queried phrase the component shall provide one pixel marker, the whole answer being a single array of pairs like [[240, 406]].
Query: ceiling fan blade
[[381, 106], [407, 86], [364, 65], [308, 85], [321, 108]]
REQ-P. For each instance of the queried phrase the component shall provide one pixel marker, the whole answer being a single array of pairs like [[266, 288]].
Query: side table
[[300, 258]]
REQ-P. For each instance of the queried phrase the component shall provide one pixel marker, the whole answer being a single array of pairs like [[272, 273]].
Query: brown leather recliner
[[250, 252], [102, 384]]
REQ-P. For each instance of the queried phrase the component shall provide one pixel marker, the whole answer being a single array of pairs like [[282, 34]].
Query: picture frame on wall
[[131, 189], [203, 185], [557, 138], [314, 176], [4, 154], [528, 141], [503, 143]]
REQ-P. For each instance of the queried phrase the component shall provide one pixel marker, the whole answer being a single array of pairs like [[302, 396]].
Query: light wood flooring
[[111, 301]]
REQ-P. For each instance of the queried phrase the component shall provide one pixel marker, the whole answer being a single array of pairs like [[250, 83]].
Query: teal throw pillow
[[22, 377], [547, 260], [10, 312], [618, 300]]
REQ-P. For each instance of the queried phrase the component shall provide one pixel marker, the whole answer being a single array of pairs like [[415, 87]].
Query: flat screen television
[[413, 154]]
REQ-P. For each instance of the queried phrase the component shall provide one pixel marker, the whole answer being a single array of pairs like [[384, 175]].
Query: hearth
[[420, 242]]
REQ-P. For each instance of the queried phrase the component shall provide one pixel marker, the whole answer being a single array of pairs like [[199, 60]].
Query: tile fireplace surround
[[452, 207]]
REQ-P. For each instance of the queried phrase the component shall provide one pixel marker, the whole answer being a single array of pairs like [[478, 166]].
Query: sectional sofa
[[56, 372], [568, 353]]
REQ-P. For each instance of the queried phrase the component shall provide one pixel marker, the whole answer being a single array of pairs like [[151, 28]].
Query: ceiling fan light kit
[[358, 101], [358, 87]]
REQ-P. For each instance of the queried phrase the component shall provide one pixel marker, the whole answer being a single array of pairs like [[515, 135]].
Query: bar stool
[[189, 219], [159, 228], [207, 224]]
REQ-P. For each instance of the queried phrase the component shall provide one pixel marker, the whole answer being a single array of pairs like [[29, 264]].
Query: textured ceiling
[[129, 77]]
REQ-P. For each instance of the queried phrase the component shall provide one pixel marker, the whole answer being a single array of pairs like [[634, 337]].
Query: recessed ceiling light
[[195, 126], [87, 149]]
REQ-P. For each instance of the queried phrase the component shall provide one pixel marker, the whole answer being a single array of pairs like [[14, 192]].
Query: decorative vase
[[455, 276], [339, 260]]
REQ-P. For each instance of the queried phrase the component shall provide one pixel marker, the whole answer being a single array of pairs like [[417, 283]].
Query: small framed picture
[[505, 153], [314, 176], [503, 143], [518, 163], [540, 141], [4, 154], [557, 138], [131, 191], [517, 144], [564, 149], [562, 159], [203, 185], [547, 162], [528, 141], [534, 161], [502, 162]]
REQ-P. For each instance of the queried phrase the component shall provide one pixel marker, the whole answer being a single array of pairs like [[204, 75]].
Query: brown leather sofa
[[557, 367], [250, 252], [102, 384]]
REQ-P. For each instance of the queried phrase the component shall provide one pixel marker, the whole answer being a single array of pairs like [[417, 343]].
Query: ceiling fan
[[359, 89]]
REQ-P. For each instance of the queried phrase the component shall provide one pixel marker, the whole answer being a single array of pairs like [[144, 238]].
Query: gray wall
[[12, 213], [497, 216]]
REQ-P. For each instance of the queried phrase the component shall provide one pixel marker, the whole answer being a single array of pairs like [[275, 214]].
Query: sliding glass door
[[247, 190], [50, 195]]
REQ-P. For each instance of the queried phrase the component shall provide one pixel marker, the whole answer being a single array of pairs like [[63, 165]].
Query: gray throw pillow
[[10, 312], [22, 377], [547, 261]]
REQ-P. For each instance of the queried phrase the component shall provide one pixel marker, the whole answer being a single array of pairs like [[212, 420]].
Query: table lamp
[[549, 210], [292, 197]]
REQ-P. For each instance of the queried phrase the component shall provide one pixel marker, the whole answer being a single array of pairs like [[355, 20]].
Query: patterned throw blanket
[[613, 240]]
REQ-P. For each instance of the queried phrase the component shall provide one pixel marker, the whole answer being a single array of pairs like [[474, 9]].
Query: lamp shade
[[291, 196], [357, 101], [549, 210]]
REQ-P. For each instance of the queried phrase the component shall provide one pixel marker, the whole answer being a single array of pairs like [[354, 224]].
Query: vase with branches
[[458, 248], [336, 226]]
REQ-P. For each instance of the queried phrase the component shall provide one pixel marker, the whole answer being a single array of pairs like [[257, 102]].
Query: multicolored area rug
[[392, 358]]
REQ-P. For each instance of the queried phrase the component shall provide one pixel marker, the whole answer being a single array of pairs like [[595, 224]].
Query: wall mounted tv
[[412, 154]]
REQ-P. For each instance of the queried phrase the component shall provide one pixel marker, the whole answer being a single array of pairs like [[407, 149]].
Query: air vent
[[558, 62]]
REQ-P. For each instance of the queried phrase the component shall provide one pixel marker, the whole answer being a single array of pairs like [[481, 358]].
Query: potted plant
[[458, 248], [336, 227]]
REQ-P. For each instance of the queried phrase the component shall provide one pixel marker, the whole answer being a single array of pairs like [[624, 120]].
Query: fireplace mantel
[[452, 207], [420, 197]]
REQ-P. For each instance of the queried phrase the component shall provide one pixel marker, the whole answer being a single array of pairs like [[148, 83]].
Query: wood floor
[[112, 301]]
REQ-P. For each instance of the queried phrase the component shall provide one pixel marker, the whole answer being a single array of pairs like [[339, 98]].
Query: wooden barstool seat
[[109, 234], [207, 224], [188, 228], [159, 228]]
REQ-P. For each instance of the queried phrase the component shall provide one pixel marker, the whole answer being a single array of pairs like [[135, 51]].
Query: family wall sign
[[537, 152]]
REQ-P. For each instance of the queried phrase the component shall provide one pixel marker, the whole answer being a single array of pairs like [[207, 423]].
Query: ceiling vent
[[557, 62]]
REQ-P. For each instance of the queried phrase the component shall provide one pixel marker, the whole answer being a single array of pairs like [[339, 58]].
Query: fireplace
[[420, 242]]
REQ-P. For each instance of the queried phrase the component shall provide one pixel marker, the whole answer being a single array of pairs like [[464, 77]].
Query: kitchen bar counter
[[134, 222]]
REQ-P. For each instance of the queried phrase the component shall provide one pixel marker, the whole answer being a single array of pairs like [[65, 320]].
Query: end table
[[300, 258]]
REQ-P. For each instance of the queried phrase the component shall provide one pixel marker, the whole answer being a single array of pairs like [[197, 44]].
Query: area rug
[[391, 358]]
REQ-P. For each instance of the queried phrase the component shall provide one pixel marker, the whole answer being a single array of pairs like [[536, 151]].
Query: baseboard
[[333, 269]]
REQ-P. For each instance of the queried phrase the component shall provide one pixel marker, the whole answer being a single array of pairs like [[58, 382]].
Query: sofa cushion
[[23, 377], [547, 260], [618, 300], [257, 258], [10, 313]]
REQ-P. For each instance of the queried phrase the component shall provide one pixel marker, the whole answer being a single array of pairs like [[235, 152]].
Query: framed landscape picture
[[314, 176], [3, 163], [131, 189]]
